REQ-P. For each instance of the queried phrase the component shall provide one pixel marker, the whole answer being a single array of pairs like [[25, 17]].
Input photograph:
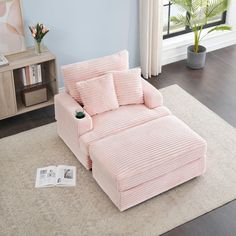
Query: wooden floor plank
[[214, 86], [220, 222]]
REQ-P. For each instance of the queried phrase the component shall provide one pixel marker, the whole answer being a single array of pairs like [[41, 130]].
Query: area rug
[[85, 209]]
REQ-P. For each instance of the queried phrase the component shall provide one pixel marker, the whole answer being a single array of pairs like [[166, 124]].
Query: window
[[171, 30]]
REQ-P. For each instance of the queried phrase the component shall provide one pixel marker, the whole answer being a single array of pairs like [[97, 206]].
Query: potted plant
[[195, 15], [79, 114]]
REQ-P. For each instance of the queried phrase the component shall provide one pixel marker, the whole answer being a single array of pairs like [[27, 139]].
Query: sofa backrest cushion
[[93, 68], [128, 85], [98, 95]]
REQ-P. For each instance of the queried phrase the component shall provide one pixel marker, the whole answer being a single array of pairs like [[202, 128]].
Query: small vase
[[38, 47]]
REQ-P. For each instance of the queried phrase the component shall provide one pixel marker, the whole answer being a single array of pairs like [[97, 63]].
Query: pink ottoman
[[144, 161]]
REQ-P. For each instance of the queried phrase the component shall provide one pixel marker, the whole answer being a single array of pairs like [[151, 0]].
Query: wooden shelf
[[21, 108], [11, 81], [29, 57]]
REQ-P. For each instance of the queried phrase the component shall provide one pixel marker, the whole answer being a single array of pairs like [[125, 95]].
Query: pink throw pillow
[[85, 70], [128, 85], [98, 94]]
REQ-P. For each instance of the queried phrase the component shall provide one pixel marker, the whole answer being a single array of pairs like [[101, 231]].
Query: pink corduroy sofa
[[136, 151]]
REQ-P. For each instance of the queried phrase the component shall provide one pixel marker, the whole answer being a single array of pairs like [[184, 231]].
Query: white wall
[[84, 29]]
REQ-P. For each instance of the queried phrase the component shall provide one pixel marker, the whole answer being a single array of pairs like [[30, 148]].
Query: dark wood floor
[[214, 86], [220, 222], [26, 121]]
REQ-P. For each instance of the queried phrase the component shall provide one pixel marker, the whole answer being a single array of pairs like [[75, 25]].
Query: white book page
[[23, 76], [31, 74], [46, 176], [66, 175], [39, 73]]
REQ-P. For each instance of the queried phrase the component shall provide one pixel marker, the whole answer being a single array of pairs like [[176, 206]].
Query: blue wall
[[84, 29]]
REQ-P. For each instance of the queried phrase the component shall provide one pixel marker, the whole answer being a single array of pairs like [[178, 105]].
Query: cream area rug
[[85, 209]]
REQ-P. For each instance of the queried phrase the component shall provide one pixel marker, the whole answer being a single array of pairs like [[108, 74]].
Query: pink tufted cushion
[[98, 95], [93, 68], [128, 86]]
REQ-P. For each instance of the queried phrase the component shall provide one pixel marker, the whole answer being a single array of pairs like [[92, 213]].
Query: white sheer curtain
[[150, 15]]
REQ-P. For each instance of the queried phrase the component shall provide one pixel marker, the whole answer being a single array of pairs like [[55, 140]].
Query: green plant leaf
[[184, 5], [179, 20], [198, 13], [201, 11], [220, 28], [216, 7]]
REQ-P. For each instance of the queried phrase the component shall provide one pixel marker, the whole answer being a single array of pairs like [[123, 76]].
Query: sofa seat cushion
[[124, 117], [143, 153]]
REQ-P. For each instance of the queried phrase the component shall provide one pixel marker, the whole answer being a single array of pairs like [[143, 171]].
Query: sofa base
[[131, 197], [72, 144]]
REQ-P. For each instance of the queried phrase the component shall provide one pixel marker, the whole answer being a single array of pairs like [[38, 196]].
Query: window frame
[[187, 29]]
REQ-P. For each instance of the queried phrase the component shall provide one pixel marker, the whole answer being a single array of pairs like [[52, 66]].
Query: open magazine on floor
[[56, 176]]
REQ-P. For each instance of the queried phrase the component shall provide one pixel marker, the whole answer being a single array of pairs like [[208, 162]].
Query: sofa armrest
[[152, 97], [65, 107]]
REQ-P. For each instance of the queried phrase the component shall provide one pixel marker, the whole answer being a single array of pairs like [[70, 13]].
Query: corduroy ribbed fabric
[[112, 122], [92, 68], [145, 152], [152, 97], [128, 86], [69, 127], [140, 193], [98, 94]]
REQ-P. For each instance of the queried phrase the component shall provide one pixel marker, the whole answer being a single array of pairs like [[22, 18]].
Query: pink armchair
[[135, 151], [76, 133]]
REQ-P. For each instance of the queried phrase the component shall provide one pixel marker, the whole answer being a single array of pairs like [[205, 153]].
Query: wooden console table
[[11, 86]]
